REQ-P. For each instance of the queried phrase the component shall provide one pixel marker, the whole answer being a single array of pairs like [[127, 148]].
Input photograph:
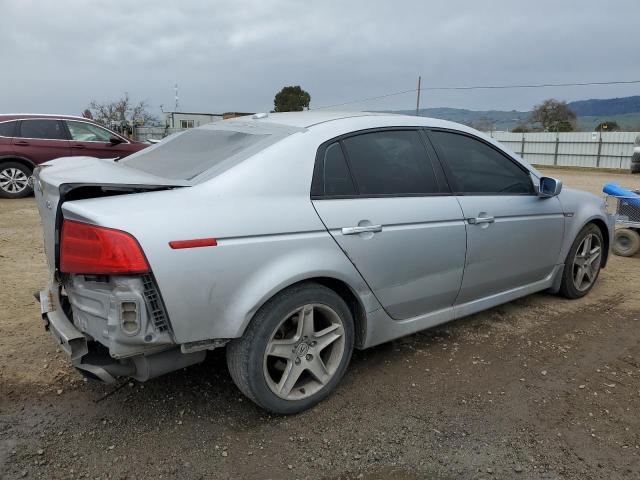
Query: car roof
[[19, 116], [307, 119], [354, 121]]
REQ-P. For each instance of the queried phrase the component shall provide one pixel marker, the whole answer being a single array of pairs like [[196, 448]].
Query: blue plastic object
[[616, 190]]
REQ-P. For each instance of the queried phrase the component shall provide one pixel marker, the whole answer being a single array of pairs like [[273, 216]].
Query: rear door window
[[42, 129], [390, 162], [7, 129], [337, 179]]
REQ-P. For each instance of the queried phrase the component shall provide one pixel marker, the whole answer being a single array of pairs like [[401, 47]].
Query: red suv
[[28, 140]]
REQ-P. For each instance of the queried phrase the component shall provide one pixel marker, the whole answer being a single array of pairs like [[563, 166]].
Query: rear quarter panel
[[269, 236]]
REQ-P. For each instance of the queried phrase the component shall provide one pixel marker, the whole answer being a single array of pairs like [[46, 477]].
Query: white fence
[[572, 149]]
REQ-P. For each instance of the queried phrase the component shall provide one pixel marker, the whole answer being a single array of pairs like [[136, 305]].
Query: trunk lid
[[84, 177]]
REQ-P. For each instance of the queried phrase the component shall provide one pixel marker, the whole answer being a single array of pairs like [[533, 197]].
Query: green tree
[[291, 99], [608, 126], [563, 126], [554, 116], [521, 128]]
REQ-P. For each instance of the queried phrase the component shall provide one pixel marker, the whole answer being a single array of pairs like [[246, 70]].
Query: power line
[[541, 85], [480, 87], [367, 99]]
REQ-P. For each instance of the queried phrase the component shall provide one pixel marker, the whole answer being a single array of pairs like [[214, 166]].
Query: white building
[[183, 120]]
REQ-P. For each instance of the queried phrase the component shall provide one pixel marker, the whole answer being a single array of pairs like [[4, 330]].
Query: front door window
[[87, 132]]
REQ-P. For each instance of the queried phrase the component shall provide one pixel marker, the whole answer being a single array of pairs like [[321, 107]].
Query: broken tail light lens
[[86, 248]]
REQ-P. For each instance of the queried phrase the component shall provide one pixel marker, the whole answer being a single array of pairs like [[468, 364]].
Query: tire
[[276, 326], [571, 287], [626, 242], [14, 180], [635, 168]]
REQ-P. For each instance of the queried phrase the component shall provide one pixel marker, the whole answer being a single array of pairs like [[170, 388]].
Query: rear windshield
[[210, 149]]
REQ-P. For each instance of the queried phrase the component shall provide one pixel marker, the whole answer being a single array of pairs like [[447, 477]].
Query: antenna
[[175, 87]]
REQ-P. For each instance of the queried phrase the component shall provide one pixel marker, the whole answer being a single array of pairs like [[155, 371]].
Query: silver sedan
[[293, 238]]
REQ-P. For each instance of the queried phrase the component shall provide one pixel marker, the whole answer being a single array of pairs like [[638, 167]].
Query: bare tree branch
[[121, 111]]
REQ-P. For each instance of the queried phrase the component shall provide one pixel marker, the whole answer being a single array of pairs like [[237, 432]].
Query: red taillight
[[87, 248]]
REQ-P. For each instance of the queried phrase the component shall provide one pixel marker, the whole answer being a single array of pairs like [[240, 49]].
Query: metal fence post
[[522, 146], [555, 153], [599, 149]]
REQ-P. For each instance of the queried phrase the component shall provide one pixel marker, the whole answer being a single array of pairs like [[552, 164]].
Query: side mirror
[[549, 187], [115, 140]]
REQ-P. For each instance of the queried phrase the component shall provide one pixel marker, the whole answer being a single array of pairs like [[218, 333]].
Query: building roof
[[194, 113]]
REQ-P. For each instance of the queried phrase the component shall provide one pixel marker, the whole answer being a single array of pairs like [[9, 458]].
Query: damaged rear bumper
[[72, 340], [93, 359]]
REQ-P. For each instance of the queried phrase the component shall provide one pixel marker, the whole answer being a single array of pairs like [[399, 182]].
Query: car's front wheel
[[14, 180], [295, 351], [583, 262]]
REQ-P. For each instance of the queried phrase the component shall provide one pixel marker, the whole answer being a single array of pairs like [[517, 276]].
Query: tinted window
[[390, 163], [7, 129], [337, 179], [45, 129], [478, 168], [87, 132]]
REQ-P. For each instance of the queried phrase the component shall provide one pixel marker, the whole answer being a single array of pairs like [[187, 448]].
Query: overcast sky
[[57, 56]]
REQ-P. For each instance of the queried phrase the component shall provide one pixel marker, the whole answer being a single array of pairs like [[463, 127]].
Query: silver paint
[[412, 262]]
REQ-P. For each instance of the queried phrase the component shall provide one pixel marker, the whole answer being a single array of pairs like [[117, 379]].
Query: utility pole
[[418, 99], [175, 87]]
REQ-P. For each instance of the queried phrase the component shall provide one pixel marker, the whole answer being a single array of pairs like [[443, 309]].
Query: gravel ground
[[540, 388]]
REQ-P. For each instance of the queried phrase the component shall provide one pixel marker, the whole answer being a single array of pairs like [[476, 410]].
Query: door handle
[[480, 220], [364, 229], [79, 146], [23, 143]]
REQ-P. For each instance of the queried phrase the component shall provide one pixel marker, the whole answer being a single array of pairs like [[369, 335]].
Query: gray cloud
[[234, 55]]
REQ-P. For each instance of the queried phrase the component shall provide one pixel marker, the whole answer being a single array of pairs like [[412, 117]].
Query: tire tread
[[239, 350], [567, 289]]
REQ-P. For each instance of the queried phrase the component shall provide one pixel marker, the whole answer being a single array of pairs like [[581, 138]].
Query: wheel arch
[[17, 159], [606, 238], [341, 288]]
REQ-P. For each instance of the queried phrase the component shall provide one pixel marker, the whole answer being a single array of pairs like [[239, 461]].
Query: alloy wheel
[[304, 352], [13, 180], [586, 263]]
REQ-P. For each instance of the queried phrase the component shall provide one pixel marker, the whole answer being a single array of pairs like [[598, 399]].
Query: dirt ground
[[540, 388]]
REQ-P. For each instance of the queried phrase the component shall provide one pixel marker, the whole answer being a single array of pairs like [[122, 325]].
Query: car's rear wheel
[[583, 262], [626, 242], [14, 180], [295, 351]]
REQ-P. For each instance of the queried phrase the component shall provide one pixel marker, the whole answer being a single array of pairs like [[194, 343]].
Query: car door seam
[[333, 238], [464, 265]]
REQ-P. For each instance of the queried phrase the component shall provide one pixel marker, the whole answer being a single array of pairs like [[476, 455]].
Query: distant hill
[[610, 106], [625, 111]]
